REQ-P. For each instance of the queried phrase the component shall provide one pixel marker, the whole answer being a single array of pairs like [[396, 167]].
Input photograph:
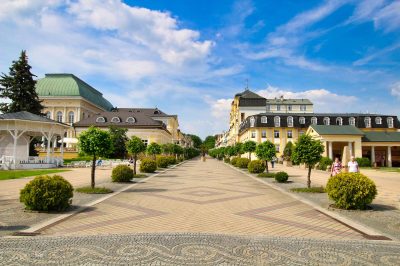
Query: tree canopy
[[266, 151], [118, 139], [135, 146], [238, 148], [249, 146], [196, 141], [168, 148], [209, 142], [153, 149]]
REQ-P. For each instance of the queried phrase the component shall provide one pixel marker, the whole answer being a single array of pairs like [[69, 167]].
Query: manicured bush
[[242, 163], [324, 163], [47, 193], [148, 165], [281, 177], [122, 173], [227, 160], [363, 162], [234, 160], [171, 160], [266, 175], [351, 190], [162, 161], [256, 167]]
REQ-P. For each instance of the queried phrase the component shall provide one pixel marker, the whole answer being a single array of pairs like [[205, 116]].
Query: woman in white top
[[353, 166]]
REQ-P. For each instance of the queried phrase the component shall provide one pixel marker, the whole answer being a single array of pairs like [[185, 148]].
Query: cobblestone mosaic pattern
[[193, 249]]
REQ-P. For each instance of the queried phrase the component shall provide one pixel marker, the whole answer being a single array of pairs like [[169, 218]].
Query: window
[[289, 108], [263, 134], [276, 134], [268, 107], [48, 115], [301, 133], [130, 120], [145, 142], [378, 120], [277, 147], [278, 107], [71, 117], [303, 108], [390, 122], [277, 121], [290, 121], [339, 121], [253, 134], [367, 121], [289, 134], [59, 116], [115, 120], [264, 119], [327, 121], [252, 121], [302, 120], [100, 119], [352, 121], [313, 120]]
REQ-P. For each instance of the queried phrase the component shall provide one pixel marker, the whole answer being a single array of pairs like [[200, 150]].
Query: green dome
[[64, 85]]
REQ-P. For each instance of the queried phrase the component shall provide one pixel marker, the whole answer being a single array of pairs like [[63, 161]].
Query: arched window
[[48, 114], [367, 121], [115, 119], [71, 117], [100, 119], [252, 121], [378, 120], [314, 120], [277, 121], [327, 121], [290, 121], [302, 120], [264, 119], [352, 121], [390, 122], [339, 121], [130, 120], [59, 116]]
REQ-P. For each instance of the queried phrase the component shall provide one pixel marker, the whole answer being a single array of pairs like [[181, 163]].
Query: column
[[48, 149], [65, 118], [330, 150], [351, 148], [372, 155], [62, 150], [326, 149], [389, 156]]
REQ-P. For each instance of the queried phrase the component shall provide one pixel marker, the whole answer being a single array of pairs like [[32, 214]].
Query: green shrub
[[148, 165], [162, 161], [171, 160], [242, 163], [267, 175], [363, 162], [324, 163], [122, 173], [234, 160], [96, 190], [256, 167], [309, 189], [47, 193], [281, 177], [351, 190], [227, 160]]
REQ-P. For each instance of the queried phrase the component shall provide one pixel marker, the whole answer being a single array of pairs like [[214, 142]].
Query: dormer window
[[302, 120], [327, 121], [130, 120], [252, 121], [339, 121], [378, 120], [264, 119], [277, 121], [367, 121], [352, 121], [290, 121], [390, 122], [115, 119], [157, 112], [313, 120], [100, 119]]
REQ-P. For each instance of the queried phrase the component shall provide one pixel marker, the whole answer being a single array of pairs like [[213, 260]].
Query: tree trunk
[[134, 164], [92, 183], [266, 166], [309, 177], [250, 156]]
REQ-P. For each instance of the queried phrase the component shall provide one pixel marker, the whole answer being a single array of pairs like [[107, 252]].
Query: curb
[[35, 229], [367, 231]]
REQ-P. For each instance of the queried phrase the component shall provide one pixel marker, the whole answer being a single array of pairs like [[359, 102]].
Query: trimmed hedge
[[227, 160], [234, 160], [256, 167], [162, 161], [47, 193], [363, 162], [281, 177], [242, 163], [266, 175], [121, 173], [148, 165], [351, 190], [171, 160]]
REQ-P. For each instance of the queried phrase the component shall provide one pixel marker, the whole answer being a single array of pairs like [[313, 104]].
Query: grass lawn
[[96, 190], [385, 169], [266, 175], [309, 190], [14, 174]]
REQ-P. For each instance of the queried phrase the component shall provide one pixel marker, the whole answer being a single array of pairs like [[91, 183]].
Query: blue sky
[[190, 57]]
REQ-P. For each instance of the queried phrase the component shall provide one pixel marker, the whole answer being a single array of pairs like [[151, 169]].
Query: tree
[[239, 149], [153, 149], [209, 142], [167, 148], [95, 142], [118, 139], [178, 150], [19, 87], [266, 151], [249, 146], [135, 146], [230, 151], [308, 151], [288, 151], [196, 141]]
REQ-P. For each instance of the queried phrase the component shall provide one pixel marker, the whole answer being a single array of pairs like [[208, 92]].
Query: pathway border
[[35, 229], [367, 231]]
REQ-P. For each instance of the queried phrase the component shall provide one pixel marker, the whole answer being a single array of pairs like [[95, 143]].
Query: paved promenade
[[206, 197]]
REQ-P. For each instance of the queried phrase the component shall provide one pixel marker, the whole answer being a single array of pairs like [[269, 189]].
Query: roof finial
[[247, 84]]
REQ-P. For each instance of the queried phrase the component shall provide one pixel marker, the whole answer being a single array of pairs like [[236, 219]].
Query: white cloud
[[376, 55], [395, 89]]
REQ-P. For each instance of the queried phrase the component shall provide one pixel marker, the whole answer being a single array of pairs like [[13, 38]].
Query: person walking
[[353, 166], [336, 167], [273, 161]]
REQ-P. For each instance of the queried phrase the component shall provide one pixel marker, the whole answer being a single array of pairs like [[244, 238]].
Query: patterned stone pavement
[[203, 197], [194, 249]]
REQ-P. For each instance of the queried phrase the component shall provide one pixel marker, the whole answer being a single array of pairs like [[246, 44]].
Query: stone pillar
[[330, 150], [389, 156], [351, 148], [372, 155]]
